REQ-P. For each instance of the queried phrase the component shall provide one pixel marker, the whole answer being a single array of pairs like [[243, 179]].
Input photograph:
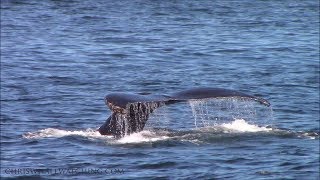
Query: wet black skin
[[135, 108]]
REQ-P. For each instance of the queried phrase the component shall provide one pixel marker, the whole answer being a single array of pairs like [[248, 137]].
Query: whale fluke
[[131, 111]]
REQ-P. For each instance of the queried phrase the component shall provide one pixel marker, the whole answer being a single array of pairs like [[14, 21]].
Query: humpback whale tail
[[130, 112], [128, 120]]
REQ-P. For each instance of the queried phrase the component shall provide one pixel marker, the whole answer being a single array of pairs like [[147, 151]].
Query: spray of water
[[218, 111]]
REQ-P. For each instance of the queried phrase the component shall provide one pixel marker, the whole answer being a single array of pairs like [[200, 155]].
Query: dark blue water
[[60, 58]]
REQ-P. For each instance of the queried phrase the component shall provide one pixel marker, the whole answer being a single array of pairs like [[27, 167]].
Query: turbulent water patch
[[215, 116], [57, 133], [209, 134]]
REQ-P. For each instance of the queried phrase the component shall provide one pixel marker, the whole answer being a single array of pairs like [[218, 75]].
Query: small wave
[[57, 133], [241, 126], [300, 134], [311, 135]]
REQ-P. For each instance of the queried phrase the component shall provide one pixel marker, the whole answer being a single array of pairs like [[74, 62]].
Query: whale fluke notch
[[130, 112]]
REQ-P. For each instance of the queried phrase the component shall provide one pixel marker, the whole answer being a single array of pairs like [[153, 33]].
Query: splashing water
[[214, 112], [57, 133], [240, 125], [210, 115], [143, 136]]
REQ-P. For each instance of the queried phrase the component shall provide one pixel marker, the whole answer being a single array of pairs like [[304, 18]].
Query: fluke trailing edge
[[130, 112]]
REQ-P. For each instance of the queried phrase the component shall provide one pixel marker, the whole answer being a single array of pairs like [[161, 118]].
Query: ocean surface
[[59, 58]]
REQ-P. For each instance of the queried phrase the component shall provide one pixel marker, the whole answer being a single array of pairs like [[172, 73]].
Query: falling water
[[135, 117], [206, 113], [216, 111]]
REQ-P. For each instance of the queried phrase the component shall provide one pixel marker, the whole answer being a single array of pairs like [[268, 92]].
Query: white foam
[[57, 133], [240, 125], [143, 136], [309, 135]]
